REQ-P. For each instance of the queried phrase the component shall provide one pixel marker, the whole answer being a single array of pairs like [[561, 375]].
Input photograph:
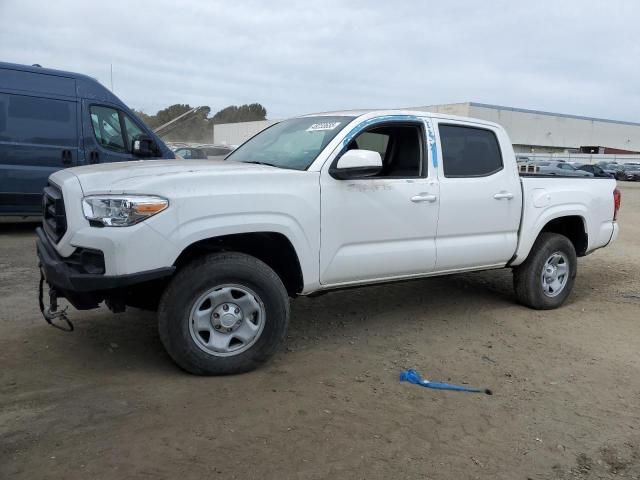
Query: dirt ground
[[106, 402]]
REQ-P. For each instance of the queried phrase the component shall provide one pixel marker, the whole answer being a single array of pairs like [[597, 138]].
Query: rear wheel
[[545, 279], [222, 314]]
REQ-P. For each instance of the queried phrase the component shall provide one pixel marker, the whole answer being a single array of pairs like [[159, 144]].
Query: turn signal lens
[[149, 208]]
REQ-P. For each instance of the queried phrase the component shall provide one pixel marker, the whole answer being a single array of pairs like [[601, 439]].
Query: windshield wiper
[[254, 162]]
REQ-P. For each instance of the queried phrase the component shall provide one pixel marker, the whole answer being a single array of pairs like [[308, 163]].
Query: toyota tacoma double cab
[[311, 204]]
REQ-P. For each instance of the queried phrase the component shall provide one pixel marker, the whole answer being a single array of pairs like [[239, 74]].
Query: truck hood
[[133, 176]]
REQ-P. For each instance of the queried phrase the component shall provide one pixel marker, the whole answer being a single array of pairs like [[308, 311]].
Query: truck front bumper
[[72, 279]]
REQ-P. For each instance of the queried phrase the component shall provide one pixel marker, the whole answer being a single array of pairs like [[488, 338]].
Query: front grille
[[54, 220]]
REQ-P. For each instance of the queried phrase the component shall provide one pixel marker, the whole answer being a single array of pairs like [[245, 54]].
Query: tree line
[[199, 127]]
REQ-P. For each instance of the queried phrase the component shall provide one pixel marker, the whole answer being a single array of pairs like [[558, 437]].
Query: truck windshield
[[293, 143]]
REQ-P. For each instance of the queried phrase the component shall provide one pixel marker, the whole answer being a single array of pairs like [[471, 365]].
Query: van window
[[35, 120], [133, 130], [469, 151], [107, 129]]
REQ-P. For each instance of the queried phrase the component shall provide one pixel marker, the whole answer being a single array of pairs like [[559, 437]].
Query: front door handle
[[424, 197], [501, 195]]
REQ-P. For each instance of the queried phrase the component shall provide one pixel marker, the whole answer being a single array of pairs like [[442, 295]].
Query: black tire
[[527, 277], [198, 277]]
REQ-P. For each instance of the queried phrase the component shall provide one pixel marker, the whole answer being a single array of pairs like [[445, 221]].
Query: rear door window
[[469, 151]]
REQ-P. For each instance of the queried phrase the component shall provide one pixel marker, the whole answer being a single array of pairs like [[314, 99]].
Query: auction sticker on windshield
[[317, 127]]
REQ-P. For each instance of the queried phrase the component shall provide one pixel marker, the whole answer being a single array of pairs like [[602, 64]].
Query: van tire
[[532, 287], [204, 278]]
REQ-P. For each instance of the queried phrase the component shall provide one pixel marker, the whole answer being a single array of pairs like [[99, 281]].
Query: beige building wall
[[237, 133]]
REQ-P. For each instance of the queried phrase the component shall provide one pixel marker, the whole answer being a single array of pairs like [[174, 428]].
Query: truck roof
[[401, 111]]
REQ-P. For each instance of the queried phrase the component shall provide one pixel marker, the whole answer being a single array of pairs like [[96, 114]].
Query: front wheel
[[545, 279], [222, 314]]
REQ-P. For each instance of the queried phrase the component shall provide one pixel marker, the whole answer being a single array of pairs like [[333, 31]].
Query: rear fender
[[529, 234]]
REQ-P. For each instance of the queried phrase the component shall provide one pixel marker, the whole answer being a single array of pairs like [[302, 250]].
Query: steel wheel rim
[[227, 320], [555, 274]]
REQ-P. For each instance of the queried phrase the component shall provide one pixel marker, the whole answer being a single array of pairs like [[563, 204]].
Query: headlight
[[121, 210]]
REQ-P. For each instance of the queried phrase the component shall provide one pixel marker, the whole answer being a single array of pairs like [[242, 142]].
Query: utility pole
[[111, 77]]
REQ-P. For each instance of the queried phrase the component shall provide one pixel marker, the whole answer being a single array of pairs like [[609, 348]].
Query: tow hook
[[51, 313]]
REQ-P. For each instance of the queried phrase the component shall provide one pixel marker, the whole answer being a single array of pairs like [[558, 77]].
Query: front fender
[[216, 225]]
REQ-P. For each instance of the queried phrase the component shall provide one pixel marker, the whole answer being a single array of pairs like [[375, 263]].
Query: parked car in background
[[612, 168], [631, 172], [595, 170], [191, 153], [49, 120], [562, 169], [216, 152]]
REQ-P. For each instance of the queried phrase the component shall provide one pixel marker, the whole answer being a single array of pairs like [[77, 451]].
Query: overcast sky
[[580, 57]]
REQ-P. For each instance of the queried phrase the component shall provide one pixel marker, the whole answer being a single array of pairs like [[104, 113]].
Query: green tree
[[146, 119], [243, 113], [167, 114], [198, 128]]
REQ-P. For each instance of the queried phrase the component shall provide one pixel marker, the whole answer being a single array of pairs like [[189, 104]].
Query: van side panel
[[36, 83], [38, 136]]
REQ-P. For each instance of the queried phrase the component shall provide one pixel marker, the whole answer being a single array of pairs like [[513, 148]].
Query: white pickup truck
[[311, 204]]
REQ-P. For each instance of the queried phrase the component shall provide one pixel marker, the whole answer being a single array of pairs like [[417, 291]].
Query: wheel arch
[[273, 248], [574, 227], [572, 224]]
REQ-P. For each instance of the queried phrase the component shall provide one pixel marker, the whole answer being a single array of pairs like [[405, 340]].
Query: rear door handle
[[501, 195], [424, 197]]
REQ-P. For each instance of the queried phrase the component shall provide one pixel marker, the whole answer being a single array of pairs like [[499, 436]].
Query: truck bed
[[545, 197]]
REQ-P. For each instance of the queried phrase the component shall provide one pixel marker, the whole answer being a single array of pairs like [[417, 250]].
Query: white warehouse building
[[531, 131], [534, 131]]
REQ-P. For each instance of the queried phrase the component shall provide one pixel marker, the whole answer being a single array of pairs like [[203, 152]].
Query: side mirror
[[144, 146], [357, 163]]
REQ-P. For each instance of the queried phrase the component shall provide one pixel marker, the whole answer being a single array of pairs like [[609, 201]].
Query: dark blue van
[[50, 120]]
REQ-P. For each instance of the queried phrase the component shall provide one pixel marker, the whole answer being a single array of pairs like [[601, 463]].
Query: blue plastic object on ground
[[414, 377]]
